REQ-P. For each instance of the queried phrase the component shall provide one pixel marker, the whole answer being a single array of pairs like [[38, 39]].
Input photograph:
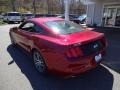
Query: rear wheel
[[39, 62]]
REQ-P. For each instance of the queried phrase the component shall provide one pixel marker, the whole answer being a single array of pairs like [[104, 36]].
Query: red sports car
[[59, 46]]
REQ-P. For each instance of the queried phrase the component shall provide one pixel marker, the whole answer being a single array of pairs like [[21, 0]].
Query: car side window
[[29, 26], [39, 29]]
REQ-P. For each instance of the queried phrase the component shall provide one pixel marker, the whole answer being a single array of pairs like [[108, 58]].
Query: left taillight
[[74, 52]]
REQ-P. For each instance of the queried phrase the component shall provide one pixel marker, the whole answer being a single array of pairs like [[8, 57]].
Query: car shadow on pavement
[[96, 79], [112, 58]]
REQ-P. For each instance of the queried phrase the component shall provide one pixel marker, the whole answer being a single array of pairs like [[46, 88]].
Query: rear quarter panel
[[52, 52]]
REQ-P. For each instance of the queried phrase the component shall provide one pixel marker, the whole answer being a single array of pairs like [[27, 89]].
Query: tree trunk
[[13, 5], [62, 6], [34, 6], [48, 5]]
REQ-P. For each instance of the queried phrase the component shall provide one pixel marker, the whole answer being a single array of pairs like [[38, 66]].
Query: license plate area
[[98, 57]]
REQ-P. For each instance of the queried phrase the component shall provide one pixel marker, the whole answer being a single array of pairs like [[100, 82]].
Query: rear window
[[64, 27], [13, 14]]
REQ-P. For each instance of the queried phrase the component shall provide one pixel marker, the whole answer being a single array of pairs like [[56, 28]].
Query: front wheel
[[39, 62]]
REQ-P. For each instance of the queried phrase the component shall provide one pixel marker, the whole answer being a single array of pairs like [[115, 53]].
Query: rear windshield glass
[[64, 27], [13, 14]]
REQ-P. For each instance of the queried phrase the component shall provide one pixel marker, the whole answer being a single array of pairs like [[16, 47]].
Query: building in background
[[103, 13]]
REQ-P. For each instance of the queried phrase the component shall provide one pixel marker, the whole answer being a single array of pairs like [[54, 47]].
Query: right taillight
[[74, 52]]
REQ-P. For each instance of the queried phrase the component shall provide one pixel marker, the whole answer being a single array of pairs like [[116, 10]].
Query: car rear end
[[74, 49], [85, 56], [78, 57]]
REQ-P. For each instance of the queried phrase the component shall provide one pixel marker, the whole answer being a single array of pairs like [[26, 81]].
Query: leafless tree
[[41, 6], [13, 5], [34, 6]]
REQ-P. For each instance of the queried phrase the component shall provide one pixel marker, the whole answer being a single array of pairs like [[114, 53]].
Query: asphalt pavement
[[17, 72]]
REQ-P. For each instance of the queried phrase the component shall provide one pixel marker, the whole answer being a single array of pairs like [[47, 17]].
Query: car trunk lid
[[82, 37], [88, 42]]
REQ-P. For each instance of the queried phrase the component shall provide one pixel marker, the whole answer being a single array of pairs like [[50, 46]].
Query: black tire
[[39, 62]]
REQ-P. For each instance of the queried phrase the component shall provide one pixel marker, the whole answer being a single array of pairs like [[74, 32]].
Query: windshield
[[13, 14], [64, 27]]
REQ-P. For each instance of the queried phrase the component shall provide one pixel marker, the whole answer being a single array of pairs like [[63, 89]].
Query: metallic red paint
[[54, 46]]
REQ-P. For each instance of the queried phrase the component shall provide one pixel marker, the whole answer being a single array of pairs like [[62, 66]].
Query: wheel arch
[[32, 50], [35, 49]]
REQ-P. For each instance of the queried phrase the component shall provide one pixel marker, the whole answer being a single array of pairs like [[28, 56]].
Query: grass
[[1, 22]]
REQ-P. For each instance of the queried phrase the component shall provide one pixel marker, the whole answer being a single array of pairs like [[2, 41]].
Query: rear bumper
[[80, 68], [65, 67]]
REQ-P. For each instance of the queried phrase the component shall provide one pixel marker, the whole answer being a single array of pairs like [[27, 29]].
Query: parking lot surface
[[17, 71], [112, 58]]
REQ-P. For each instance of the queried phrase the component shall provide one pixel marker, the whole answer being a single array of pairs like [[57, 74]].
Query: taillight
[[74, 52]]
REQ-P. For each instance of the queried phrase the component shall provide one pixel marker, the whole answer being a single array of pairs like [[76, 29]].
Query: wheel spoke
[[39, 62]]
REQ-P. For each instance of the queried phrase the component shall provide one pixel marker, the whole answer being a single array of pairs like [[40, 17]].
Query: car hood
[[81, 37]]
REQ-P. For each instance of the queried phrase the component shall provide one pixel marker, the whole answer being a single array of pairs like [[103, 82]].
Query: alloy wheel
[[39, 62]]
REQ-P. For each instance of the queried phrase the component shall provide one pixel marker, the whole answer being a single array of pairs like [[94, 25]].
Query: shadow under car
[[96, 79]]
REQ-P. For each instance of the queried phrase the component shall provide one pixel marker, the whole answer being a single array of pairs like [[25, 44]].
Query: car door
[[25, 33]]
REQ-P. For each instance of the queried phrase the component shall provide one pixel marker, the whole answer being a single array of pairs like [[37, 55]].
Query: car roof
[[45, 19], [13, 12]]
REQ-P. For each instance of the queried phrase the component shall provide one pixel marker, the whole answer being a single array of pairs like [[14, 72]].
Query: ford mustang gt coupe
[[59, 46]]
